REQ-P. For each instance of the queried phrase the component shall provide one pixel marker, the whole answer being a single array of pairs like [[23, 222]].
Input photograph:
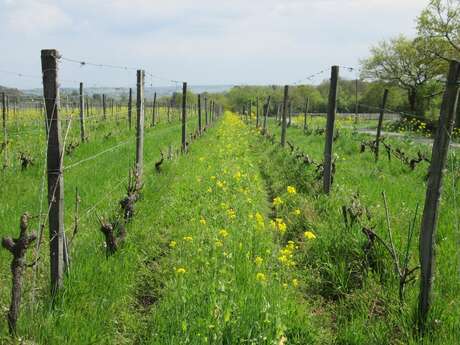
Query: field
[[231, 243]]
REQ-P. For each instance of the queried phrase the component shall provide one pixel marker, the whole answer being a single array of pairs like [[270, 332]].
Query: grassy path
[[217, 278]]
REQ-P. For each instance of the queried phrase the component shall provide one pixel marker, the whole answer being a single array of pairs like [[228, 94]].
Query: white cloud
[[34, 17]]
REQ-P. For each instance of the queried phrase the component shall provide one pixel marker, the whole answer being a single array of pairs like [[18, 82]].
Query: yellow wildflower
[[180, 270], [231, 213], [172, 244], [203, 221], [297, 212], [309, 235], [295, 282], [280, 225], [291, 190], [277, 201], [261, 277], [219, 243], [188, 238], [258, 260], [223, 233]]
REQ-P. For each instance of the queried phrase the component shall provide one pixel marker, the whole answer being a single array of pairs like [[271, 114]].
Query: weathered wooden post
[[199, 114], [206, 111], [331, 112], [285, 109], [104, 107], [87, 107], [82, 114], [154, 109], [266, 110], [169, 111], [184, 117], [211, 112], [54, 167], [130, 107], [307, 103], [140, 128], [379, 127], [434, 190], [249, 112]]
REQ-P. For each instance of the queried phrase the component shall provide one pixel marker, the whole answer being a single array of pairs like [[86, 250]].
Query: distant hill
[[118, 92], [12, 93]]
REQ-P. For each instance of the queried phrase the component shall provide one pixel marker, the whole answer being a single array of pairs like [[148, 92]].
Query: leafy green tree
[[371, 100], [439, 25], [408, 64]]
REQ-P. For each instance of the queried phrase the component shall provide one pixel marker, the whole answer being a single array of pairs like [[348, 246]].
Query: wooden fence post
[[211, 112], [206, 111], [104, 109], [307, 103], [154, 108], [285, 109], [184, 117], [82, 114], [266, 110], [379, 127], [249, 112], [54, 167], [199, 113], [331, 111], [87, 107], [130, 107], [434, 190], [140, 128], [169, 111]]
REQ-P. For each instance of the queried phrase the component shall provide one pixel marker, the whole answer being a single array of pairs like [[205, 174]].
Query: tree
[[371, 100], [439, 24], [409, 64], [299, 95]]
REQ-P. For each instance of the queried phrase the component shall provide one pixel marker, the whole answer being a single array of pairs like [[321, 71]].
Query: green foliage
[[439, 25], [408, 64]]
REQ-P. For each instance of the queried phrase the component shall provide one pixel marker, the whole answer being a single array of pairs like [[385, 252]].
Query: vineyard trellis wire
[[50, 103]]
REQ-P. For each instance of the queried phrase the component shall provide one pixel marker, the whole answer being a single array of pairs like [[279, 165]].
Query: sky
[[203, 42]]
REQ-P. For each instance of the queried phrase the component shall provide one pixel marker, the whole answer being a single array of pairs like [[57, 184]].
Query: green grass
[[362, 290], [101, 183], [234, 243]]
